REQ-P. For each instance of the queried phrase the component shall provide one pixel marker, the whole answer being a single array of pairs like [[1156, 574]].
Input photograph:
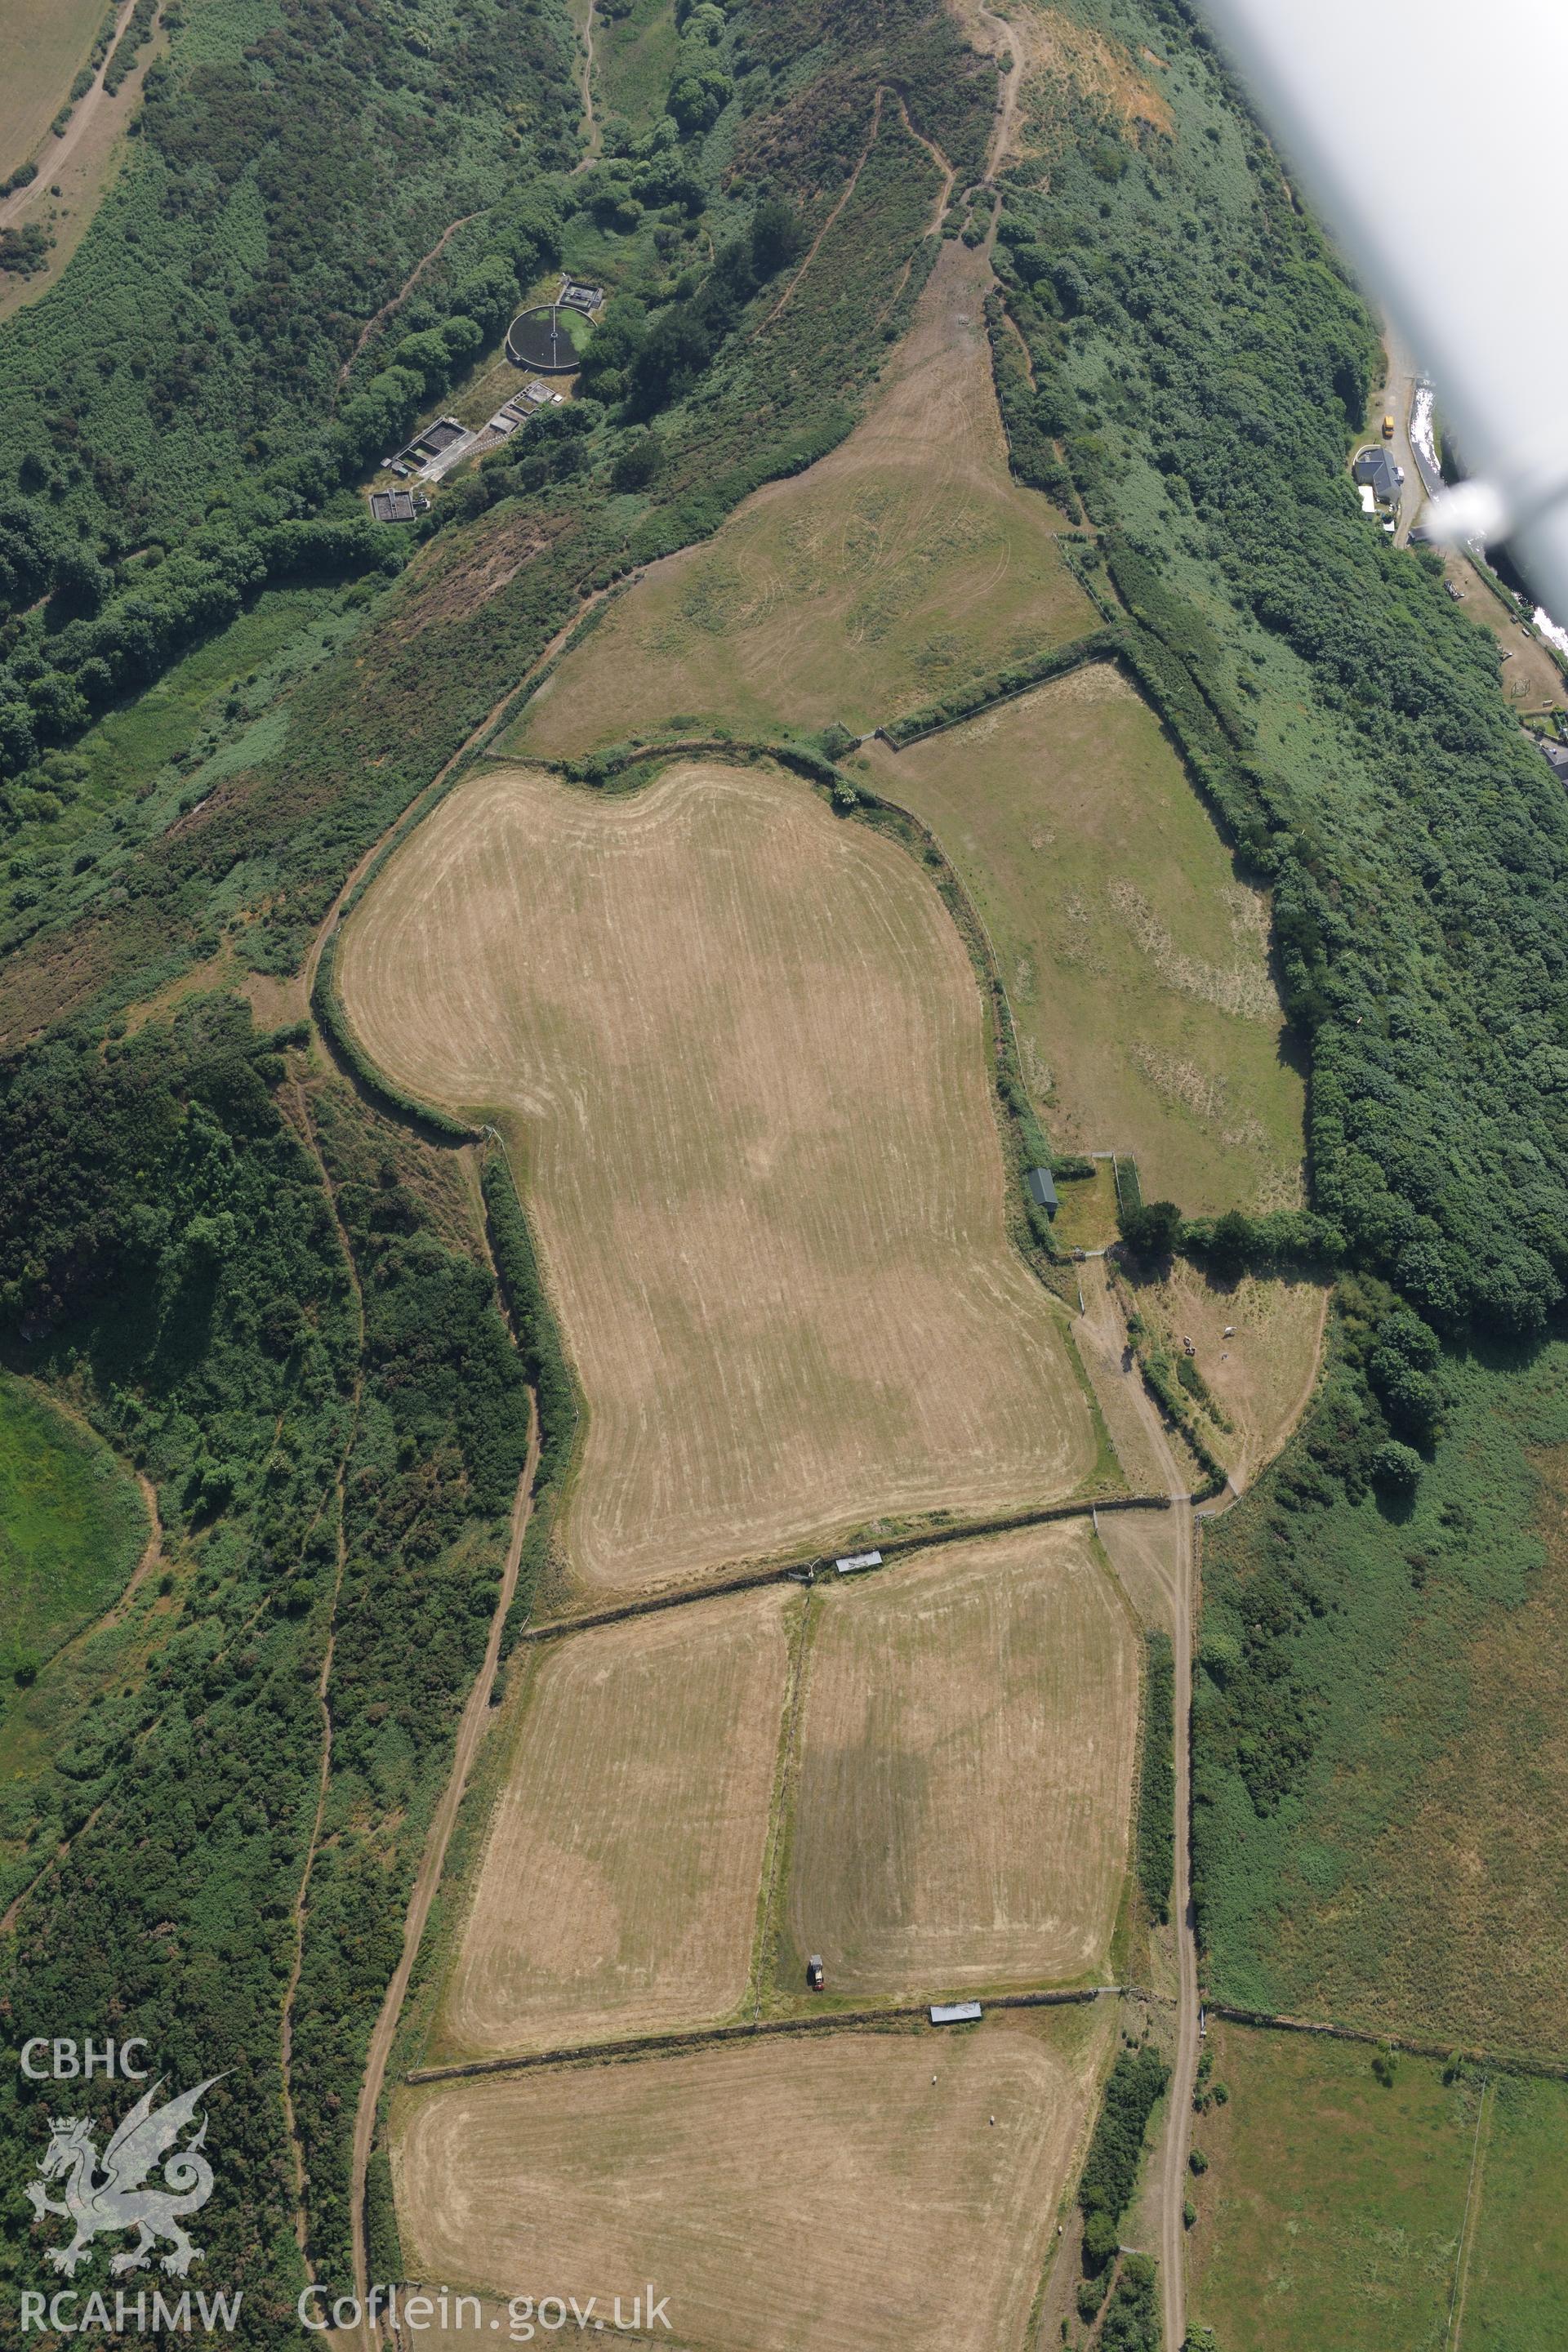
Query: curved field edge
[[596, 819], [52, 38], [1023, 1146]]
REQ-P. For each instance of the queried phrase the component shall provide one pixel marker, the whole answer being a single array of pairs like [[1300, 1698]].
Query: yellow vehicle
[[1388, 428]]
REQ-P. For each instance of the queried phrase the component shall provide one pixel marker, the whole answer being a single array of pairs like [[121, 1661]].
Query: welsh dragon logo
[[114, 2197]]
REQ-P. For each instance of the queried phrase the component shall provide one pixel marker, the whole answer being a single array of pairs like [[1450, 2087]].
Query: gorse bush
[[179, 383], [1157, 1786], [1110, 2169], [1186, 310], [1132, 2319]]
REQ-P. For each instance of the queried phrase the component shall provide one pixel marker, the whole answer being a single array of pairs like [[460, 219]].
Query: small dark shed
[[1042, 1189]]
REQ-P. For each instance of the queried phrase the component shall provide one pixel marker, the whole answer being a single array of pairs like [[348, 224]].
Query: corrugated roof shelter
[[1043, 1190], [954, 2012], [857, 1560]]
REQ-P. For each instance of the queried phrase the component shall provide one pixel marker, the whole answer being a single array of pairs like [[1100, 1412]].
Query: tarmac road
[[1395, 398]]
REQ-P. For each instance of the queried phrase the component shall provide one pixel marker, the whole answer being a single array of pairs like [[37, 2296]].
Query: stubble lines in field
[[741, 1049], [907, 561], [965, 1779], [618, 1890], [828, 2193]]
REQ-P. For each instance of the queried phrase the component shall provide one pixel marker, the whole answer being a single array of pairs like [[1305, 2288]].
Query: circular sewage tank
[[544, 339]]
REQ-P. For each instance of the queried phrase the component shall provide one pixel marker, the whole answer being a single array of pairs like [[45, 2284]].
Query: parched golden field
[[1136, 963], [905, 562], [740, 1056], [617, 1892], [965, 1740], [824, 2192], [74, 168], [45, 42]]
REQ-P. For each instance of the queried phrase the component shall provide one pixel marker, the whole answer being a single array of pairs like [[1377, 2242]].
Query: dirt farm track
[[738, 1052]]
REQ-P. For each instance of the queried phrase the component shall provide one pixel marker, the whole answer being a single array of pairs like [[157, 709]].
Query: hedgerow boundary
[[561, 1403], [431, 1125], [626, 766], [1501, 2061], [805, 1568], [1002, 686], [896, 2016], [558, 1396]]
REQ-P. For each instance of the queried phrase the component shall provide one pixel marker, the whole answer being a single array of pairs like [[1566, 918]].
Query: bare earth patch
[[966, 1743], [905, 562], [618, 1890], [825, 2193], [1064, 62], [738, 1052]]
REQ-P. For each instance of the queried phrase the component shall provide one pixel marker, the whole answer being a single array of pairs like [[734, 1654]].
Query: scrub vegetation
[[1374, 1826], [221, 686], [322, 1389], [1201, 360], [265, 1295], [1379, 1801], [1419, 2208]]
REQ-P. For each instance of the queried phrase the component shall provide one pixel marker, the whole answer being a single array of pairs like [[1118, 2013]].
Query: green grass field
[[1330, 2212], [72, 1528], [1136, 963], [904, 563], [1332, 2209], [636, 57], [1516, 2280]]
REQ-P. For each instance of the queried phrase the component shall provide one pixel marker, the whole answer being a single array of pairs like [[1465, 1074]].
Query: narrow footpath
[[307, 1127], [432, 1863], [592, 136]]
